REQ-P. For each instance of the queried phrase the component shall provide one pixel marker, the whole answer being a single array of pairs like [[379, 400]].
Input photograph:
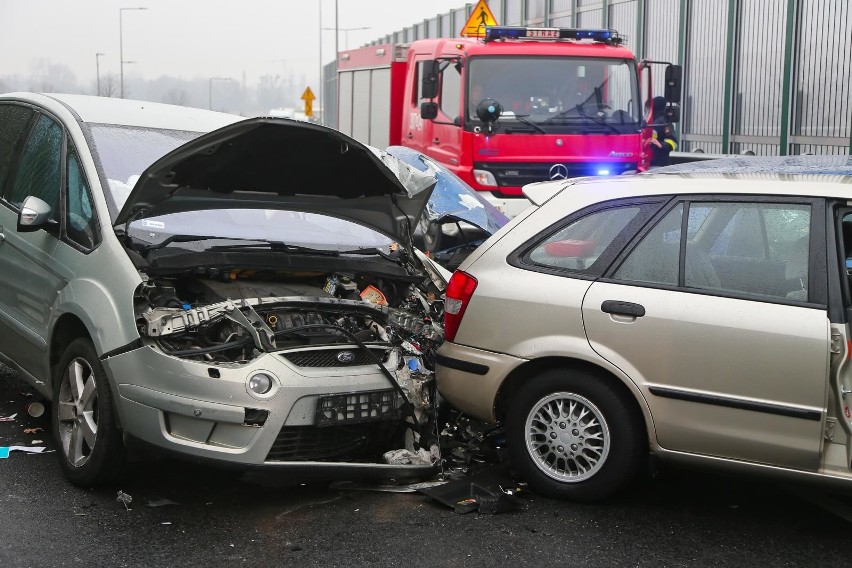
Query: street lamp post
[[121, 45], [98, 70], [345, 34], [210, 88]]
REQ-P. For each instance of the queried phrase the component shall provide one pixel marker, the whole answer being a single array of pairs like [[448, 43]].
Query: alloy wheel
[[78, 411], [567, 437]]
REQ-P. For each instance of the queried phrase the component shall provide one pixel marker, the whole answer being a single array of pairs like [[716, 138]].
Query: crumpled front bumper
[[206, 411]]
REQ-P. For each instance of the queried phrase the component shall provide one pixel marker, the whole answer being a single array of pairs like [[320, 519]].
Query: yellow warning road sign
[[479, 18], [309, 97]]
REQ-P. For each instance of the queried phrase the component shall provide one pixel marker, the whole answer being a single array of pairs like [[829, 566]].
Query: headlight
[[484, 177]]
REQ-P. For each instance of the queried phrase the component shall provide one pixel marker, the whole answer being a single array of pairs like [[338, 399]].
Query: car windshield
[[452, 197], [569, 95], [127, 151]]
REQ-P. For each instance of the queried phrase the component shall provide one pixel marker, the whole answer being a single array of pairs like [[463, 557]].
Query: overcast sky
[[195, 38]]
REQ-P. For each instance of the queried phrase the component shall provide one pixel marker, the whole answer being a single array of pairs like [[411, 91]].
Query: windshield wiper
[[523, 118], [251, 244], [371, 251], [274, 246], [188, 239]]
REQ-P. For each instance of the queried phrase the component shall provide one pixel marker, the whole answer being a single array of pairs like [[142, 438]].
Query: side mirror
[[672, 114], [429, 82], [34, 214], [674, 76], [428, 111]]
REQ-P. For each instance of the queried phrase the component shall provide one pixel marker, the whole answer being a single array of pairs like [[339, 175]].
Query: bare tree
[[46, 76], [176, 96], [270, 92], [109, 85]]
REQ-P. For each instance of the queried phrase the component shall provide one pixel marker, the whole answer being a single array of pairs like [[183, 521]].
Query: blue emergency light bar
[[493, 33]]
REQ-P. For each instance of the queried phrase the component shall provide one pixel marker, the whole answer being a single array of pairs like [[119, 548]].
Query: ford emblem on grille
[[345, 357]]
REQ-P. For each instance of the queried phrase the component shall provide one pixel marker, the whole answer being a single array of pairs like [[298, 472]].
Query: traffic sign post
[[309, 98], [480, 17]]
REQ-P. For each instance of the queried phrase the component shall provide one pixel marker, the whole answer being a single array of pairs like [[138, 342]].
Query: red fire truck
[[519, 106]]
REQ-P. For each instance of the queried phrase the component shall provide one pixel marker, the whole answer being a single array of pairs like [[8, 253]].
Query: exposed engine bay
[[319, 320]]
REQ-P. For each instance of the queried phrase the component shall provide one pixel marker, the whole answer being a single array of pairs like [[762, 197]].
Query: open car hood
[[452, 197], [273, 163]]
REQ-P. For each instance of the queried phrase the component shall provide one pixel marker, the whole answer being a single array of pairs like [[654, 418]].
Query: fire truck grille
[[518, 174]]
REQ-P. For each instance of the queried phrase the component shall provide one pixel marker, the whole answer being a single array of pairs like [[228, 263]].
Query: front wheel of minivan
[[572, 435], [91, 449]]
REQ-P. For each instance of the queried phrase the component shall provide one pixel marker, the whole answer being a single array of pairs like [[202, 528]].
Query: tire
[[91, 450], [554, 456]]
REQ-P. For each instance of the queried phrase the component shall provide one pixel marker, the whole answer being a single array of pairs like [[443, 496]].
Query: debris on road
[[489, 491], [124, 499], [162, 503], [5, 450], [467, 443], [407, 457], [384, 488], [8, 418], [34, 409], [33, 430]]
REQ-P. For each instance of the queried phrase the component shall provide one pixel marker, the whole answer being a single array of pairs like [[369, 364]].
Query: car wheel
[[571, 435], [91, 449]]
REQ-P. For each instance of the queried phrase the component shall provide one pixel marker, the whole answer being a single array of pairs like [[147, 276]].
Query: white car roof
[[806, 176], [105, 110]]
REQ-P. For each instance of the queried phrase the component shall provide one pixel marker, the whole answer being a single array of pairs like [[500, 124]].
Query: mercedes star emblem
[[558, 171]]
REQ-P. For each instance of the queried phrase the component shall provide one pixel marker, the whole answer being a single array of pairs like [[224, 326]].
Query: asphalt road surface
[[187, 515]]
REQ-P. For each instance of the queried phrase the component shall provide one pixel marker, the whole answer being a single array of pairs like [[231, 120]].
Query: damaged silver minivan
[[249, 295]]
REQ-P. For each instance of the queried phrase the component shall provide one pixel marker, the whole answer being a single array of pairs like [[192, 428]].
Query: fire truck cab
[[520, 106]]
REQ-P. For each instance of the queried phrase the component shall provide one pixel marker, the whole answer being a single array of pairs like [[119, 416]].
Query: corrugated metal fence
[[761, 76]]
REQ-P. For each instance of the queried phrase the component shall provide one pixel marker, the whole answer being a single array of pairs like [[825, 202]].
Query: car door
[[29, 276], [416, 130], [445, 145], [15, 122], [719, 315]]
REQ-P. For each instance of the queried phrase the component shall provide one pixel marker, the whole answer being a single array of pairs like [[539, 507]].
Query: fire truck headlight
[[484, 177]]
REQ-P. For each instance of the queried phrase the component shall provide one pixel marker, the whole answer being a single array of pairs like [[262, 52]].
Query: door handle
[[623, 308], [2, 235], [409, 135], [435, 141]]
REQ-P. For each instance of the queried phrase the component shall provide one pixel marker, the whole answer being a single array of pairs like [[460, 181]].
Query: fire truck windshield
[[558, 95]]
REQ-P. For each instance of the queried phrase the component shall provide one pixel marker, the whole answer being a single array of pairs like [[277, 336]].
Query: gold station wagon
[[699, 313]]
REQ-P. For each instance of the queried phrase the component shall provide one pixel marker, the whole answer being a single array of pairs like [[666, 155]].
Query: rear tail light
[[459, 291]]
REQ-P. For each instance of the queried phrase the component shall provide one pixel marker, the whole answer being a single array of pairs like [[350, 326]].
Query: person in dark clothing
[[663, 141]]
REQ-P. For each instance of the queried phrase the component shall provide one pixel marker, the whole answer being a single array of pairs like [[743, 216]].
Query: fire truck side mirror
[[429, 83], [428, 111], [674, 74]]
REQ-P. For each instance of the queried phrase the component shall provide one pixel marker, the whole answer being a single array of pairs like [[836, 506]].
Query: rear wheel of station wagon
[[572, 435], [90, 445]]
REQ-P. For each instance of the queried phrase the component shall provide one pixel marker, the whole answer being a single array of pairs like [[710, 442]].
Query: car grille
[[329, 357], [334, 443], [518, 174]]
